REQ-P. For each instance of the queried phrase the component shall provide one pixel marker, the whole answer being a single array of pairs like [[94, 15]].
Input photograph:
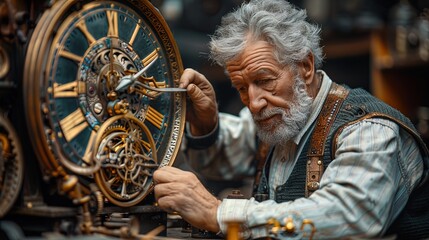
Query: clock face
[[93, 74]]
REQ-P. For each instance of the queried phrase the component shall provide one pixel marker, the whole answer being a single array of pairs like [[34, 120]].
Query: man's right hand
[[202, 112]]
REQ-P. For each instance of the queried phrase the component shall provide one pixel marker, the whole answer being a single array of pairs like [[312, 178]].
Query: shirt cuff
[[231, 210], [236, 210], [201, 142]]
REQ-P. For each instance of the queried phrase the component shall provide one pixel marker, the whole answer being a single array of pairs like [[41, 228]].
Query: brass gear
[[11, 166], [127, 162]]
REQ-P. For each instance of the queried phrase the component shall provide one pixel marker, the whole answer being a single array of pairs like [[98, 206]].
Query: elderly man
[[339, 157]]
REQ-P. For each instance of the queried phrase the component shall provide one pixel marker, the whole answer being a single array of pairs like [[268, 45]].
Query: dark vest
[[413, 222]]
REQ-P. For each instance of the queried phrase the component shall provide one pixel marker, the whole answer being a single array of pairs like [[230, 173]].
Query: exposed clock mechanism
[[100, 103]]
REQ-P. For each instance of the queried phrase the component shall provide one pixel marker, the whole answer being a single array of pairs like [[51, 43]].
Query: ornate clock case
[[101, 107]]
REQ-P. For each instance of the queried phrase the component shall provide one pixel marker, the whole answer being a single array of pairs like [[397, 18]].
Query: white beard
[[292, 121]]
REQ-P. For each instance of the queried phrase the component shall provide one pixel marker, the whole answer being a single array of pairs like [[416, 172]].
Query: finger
[[159, 176], [190, 76], [167, 203], [161, 190], [167, 174], [187, 77], [169, 196], [196, 95], [166, 190]]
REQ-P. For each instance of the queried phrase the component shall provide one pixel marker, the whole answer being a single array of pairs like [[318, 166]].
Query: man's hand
[[180, 191], [202, 113]]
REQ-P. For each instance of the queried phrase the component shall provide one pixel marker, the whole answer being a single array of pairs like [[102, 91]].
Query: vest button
[[312, 186]]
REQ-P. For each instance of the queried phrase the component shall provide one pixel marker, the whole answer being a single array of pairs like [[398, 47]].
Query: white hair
[[276, 21]]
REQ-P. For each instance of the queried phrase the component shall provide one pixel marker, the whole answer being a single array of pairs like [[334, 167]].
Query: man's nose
[[256, 99]]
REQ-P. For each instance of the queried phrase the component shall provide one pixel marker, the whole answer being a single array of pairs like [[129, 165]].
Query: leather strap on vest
[[326, 118]]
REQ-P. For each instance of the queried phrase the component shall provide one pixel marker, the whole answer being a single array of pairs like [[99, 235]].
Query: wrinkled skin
[[202, 106], [181, 191]]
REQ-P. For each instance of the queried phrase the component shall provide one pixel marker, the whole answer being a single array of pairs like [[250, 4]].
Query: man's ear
[[307, 69]]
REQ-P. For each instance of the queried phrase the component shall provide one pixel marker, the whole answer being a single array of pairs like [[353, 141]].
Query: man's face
[[275, 95]]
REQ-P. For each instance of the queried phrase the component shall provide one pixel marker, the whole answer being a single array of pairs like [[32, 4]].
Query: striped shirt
[[363, 190]]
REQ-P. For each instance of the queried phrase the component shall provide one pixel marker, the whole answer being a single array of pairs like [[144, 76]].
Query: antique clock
[[101, 98]]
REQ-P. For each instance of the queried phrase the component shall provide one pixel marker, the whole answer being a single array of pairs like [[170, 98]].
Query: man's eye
[[266, 84], [241, 90]]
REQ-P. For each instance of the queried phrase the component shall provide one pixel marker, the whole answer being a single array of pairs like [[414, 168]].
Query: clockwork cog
[[78, 55], [11, 165]]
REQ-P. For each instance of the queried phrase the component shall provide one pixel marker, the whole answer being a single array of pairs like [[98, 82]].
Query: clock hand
[[130, 79], [168, 89]]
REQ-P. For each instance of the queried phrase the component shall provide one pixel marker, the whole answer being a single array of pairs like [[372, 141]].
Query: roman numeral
[[154, 117], [82, 26], [145, 144], [136, 30], [112, 18], [73, 124], [157, 84], [151, 57], [87, 156], [71, 89], [69, 55]]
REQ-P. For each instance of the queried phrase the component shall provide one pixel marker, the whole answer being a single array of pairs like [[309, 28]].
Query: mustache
[[268, 113]]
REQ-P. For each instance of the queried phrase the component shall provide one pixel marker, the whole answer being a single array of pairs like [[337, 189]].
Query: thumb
[[200, 100]]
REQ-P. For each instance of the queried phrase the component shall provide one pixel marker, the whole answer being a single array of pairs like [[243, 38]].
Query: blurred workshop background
[[381, 46]]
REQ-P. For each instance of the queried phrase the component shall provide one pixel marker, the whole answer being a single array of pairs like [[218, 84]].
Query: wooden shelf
[[400, 81], [347, 48], [384, 59]]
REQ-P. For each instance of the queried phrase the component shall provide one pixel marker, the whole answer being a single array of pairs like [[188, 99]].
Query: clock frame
[[79, 122]]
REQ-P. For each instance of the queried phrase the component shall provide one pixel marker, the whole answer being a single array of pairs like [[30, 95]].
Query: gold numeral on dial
[[146, 145], [157, 84], [73, 124], [82, 26], [88, 151], [151, 57], [154, 117], [136, 30], [71, 56], [112, 18], [71, 89]]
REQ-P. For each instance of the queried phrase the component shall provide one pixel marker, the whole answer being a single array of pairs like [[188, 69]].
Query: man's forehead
[[252, 50], [238, 73], [254, 66]]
